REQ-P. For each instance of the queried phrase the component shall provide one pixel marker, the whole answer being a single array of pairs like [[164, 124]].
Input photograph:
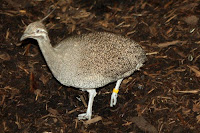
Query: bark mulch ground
[[163, 97]]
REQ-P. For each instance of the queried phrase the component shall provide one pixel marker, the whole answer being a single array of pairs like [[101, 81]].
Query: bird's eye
[[37, 31]]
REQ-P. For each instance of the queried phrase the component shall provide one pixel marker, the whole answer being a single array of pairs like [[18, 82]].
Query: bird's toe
[[84, 116], [113, 99]]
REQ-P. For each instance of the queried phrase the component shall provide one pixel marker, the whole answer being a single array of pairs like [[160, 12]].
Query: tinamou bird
[[89, 61]]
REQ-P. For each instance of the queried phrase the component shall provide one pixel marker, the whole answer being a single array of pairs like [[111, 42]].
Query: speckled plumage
[[100, 58], [88, 61]]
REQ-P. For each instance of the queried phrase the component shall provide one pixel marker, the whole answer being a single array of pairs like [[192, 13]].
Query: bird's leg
[[88, 114], [113, 99]]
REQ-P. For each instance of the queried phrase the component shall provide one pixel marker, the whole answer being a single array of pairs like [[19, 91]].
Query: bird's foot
[[113, 99], [84, 116]]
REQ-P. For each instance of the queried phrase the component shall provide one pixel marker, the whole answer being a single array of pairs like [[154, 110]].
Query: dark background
[[162, 97]]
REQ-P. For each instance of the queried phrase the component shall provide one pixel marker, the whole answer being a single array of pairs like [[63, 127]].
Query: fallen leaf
[[4, 56], [191, 20], [82, 14], [143, 124], [104, 23], [196, 107], [153, 30], [127, 80], [62, 3], [53, 111], [44, 78]]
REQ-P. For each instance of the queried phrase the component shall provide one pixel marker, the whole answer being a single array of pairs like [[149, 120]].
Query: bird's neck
[[51, 56]]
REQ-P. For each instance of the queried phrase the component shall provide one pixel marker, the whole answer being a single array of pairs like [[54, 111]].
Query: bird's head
[[35, 30]]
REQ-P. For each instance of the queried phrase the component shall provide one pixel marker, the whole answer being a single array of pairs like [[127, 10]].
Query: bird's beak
[[24, 36]]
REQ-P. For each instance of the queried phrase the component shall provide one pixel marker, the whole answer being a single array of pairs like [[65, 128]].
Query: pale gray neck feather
[[61, 63], [53, 59]]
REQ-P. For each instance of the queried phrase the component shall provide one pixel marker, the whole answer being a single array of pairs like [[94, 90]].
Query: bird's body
[[90, 60], [95, 59]]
